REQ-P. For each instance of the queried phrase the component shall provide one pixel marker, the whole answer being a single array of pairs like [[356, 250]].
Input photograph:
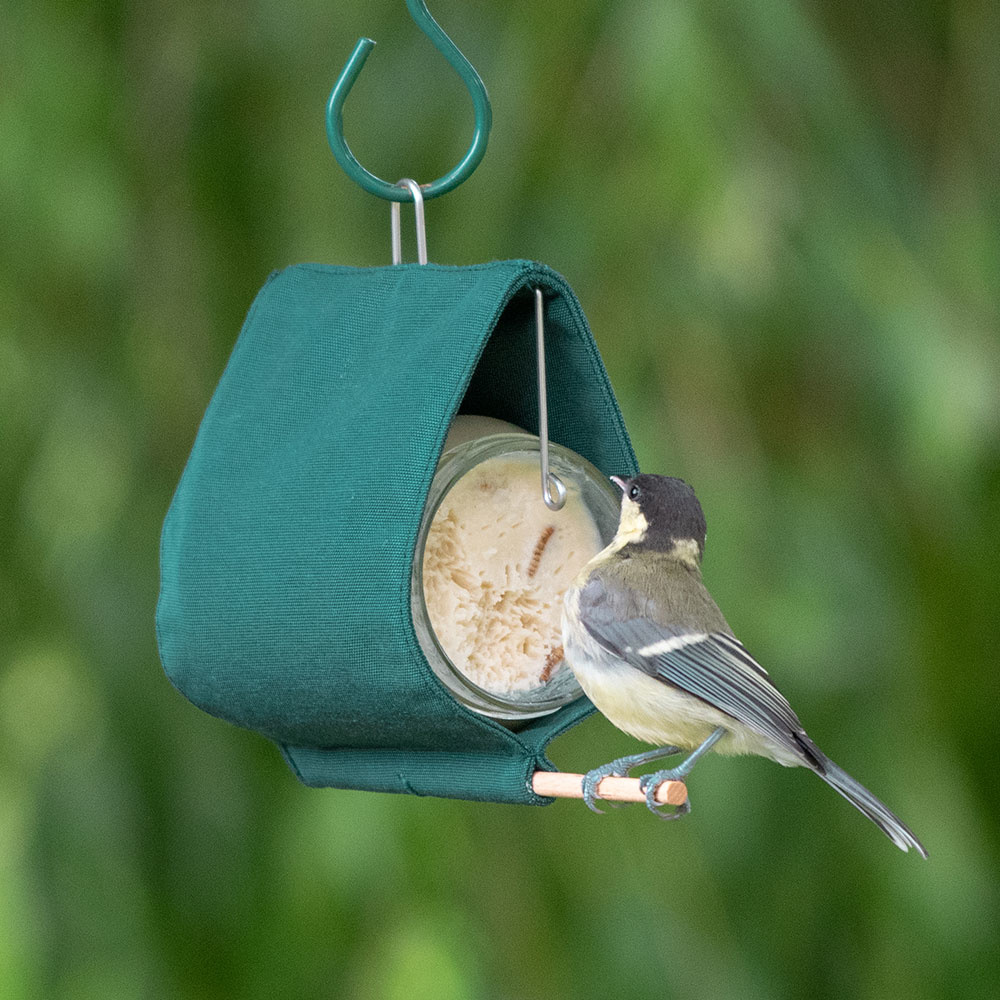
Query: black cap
[[670, 508]]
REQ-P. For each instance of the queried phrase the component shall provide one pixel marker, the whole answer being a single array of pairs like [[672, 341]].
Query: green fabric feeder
[[287, 550]]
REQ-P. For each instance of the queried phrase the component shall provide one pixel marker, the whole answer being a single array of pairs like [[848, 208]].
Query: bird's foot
[[618, 769], [650, 784]]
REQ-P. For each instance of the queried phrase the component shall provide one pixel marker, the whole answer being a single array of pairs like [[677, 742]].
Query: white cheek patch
[[675, 642], [686, 549], [633, 523]]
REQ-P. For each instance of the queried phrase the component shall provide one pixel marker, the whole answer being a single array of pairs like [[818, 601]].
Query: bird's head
[[661, 514]]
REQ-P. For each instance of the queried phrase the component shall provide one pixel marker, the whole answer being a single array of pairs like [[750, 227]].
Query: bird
[[651, 649]]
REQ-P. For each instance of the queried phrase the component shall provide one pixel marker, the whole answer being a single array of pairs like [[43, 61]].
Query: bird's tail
[[863, 800]]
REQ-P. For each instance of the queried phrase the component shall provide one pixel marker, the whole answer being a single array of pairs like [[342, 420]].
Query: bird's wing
[[714, 667]]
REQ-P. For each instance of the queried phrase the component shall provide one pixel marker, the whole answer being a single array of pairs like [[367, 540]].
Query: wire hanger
[[407, 189], [471, 79]]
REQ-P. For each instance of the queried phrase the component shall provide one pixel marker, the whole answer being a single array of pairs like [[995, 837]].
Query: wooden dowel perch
[[560, 785]]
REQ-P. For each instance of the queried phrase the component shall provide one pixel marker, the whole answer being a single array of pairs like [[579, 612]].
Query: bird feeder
[[288, 550]]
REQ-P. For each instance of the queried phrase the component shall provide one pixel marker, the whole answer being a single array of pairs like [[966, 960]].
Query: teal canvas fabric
[[286, 553]]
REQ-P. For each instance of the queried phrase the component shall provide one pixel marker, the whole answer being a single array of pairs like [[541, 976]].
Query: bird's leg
[[619, 769], [649, 783]]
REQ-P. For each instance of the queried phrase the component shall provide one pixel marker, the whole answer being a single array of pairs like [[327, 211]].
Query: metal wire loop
[[553, 490], [418, 207]]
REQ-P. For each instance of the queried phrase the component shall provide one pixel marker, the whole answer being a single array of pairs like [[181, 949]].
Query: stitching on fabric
[[285, 752], [536, 763], [515, 792], [398, 268]]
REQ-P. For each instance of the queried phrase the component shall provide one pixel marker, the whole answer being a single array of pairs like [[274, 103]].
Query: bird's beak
[[619, 482]]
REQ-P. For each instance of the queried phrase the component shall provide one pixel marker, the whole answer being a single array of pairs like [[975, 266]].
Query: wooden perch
[[560, 785]]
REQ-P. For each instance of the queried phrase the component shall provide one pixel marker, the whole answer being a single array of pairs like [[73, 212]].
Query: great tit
[[653, 652]]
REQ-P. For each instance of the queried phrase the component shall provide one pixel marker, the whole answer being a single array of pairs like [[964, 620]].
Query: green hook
[[477, 91]]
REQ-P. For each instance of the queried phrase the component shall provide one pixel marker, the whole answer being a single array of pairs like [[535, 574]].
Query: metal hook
[[394, 211], [477, 91], [551, 483]]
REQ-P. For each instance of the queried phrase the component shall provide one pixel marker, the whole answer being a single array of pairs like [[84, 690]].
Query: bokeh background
[[781, 218]]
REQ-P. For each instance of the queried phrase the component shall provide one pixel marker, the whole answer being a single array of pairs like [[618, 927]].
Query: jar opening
[[491, 566]]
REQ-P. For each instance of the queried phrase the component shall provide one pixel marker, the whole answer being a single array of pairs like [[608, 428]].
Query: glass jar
[[492, 563]]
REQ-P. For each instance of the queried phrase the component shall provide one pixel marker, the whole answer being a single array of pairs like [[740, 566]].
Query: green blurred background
[[782, 220]]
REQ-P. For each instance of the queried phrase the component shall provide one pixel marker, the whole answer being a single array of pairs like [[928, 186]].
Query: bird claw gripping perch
[[619, 769], [649, 783]]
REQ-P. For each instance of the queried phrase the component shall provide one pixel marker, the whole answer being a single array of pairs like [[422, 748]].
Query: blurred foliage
[[782, 220]]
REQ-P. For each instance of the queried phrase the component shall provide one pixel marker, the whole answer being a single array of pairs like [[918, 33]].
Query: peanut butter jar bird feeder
[[353, 521]]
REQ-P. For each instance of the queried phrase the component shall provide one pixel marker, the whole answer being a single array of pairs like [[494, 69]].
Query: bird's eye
[[634, 493]]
